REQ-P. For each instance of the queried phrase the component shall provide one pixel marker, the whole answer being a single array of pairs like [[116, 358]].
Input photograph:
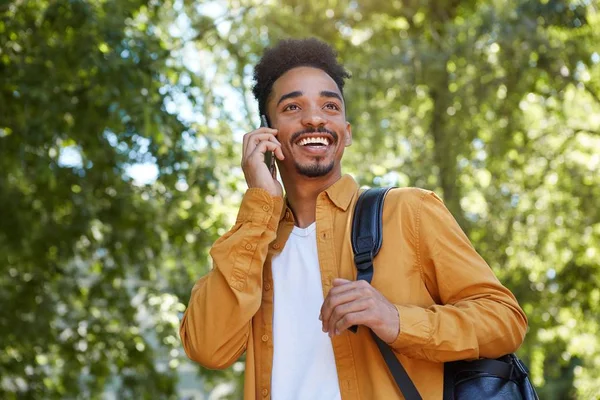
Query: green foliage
[[494, 105], [88, 257]]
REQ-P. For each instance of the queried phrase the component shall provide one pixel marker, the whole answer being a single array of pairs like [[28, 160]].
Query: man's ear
[[348, 138]]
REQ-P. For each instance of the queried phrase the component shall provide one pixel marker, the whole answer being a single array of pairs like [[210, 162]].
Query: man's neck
[[302, 197]]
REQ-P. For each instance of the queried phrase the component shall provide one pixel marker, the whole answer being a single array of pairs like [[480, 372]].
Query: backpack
[[491, 379]]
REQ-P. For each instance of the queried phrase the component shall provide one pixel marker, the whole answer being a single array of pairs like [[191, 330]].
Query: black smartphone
[[269, 156]]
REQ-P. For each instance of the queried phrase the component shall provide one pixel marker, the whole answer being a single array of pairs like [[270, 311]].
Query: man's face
[[307, 108]]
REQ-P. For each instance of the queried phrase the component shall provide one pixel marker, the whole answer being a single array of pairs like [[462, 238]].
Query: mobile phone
[[269, 156]]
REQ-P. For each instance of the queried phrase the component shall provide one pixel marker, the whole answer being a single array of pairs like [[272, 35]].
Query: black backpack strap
[[367, 230], [403, 381], [367, 237], [501, 367]]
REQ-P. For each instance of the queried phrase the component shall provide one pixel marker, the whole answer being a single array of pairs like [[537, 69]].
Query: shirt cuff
[[415, 328], [259, 206]]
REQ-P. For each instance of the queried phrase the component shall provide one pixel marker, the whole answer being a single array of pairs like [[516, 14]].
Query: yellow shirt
[[450, 303]]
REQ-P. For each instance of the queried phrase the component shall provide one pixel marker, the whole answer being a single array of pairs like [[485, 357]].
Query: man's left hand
[[358, 303]]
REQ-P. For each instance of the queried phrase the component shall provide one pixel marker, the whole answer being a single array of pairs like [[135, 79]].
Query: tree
[[85, 252]]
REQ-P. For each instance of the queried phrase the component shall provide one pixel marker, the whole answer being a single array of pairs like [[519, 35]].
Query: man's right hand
[[256, 172]]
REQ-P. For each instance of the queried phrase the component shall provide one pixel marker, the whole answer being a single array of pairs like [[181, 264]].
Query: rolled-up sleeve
[[216, 325], [477, 316]]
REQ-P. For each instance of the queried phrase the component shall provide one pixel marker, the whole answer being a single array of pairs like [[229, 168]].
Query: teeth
[[320, 140]]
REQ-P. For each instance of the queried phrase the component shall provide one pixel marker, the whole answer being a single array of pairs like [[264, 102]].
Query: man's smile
[[315, 141]]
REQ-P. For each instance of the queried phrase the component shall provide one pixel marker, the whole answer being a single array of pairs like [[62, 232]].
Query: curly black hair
[[292, 53]]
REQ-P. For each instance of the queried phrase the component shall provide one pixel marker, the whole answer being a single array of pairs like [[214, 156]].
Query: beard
[[315, 169]]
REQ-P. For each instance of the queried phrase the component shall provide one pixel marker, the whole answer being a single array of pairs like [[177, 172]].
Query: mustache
[[320, 129]]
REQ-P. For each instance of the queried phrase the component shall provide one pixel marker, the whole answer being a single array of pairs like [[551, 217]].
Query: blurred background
[[120, 136]]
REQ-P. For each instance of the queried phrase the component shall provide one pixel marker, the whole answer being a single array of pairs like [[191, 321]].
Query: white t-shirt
[[303, 360]]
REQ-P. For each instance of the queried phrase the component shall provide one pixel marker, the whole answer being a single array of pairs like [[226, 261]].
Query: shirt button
[[248, 246], [276, 246], [267, 286], [266, 208], [264, 339], [265, 392], [287, 215]]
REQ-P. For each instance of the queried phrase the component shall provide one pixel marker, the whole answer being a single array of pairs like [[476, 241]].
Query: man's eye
[[332, 106], [290, 107]]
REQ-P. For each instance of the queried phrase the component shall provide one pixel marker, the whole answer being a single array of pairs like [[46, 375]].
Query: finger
[[340, 312], [254, 141], [248, 136], [337, 290], [263, 147], [262, 130], [335, 299], [342, 285], [342, 294], [259, 137], [362, 317], [258, 154], [279, 154], [340, 282], [349, 285]]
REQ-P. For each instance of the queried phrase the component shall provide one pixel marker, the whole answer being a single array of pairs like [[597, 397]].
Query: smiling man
[[282, 288]]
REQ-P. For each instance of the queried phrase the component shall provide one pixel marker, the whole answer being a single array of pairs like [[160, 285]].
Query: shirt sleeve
[[476, 317], [216, 325]]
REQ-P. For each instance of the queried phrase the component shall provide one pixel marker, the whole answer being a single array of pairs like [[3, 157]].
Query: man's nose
[[313, 118]]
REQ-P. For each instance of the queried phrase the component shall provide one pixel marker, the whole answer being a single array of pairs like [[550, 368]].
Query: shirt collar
[[342, 192]]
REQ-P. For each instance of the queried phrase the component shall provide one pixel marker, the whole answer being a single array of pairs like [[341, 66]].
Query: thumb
[[340, 281]]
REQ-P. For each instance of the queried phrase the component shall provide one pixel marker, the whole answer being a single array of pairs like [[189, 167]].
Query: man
[[282, 288]]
